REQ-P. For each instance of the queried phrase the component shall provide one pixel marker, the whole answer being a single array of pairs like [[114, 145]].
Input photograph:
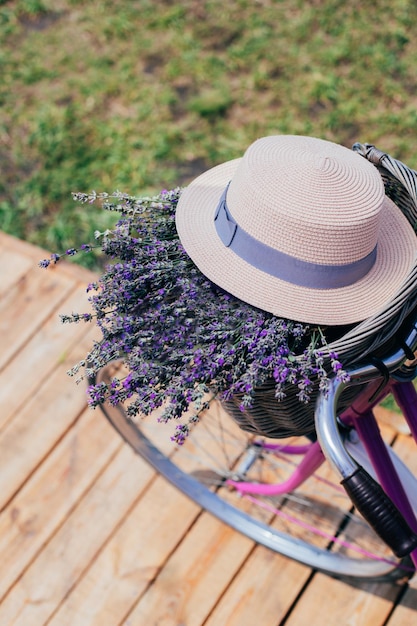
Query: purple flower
[[180, 336]]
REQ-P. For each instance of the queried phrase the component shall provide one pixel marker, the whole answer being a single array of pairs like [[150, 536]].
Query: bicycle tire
[[325, 555]]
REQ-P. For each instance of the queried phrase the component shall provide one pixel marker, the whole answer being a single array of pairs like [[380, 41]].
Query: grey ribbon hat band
[[281, 265]]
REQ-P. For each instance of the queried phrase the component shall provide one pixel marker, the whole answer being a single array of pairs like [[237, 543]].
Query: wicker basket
[[374, 336]]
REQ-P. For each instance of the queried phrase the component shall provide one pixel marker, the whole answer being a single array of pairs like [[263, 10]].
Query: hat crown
[[299, 227], [309, 198]]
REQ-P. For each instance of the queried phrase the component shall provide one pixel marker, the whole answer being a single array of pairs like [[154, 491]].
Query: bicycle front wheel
[[225, 471]]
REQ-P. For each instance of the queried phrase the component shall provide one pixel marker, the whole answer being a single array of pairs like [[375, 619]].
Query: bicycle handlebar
[[365, 493]]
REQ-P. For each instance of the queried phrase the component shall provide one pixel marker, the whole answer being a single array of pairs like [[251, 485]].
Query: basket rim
[[370, 334]]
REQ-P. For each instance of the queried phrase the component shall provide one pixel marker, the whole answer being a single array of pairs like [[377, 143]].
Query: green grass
[[142, 95]]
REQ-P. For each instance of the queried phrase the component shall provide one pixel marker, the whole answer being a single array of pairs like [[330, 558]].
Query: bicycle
[[286, 493]]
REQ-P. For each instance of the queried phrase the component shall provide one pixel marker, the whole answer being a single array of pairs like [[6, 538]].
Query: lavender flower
[[181, 337]]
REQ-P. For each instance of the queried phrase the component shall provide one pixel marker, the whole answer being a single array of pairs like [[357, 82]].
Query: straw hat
[[299, 227]]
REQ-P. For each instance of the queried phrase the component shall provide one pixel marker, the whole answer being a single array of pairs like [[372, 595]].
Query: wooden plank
[[268, 584], [13, 267], [131, 560], [404, 613], [405, 447], [192, 580], [48, 497], [39, 357], [26, 306], [252, 596], [394, 420], [95, 539], [366, 603], [250, 599], [22, 249], [42, 421], [109, 589], [262, 592], [57, 568], [187, 605]]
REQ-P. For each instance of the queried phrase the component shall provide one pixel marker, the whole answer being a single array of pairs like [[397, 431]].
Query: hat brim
[[396, 257]]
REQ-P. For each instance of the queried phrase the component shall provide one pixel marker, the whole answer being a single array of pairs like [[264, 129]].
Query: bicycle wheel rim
[[331, 553]]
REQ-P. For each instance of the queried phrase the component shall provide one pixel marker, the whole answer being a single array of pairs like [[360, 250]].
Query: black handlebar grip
[[380, 512]]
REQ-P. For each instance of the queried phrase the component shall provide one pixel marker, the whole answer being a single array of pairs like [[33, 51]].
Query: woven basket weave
[[374, 336]]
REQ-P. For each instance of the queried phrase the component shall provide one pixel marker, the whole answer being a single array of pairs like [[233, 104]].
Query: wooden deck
[[90, 535]]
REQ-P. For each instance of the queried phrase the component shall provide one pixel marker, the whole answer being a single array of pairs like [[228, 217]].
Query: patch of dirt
[[191, 169], [41, 21]]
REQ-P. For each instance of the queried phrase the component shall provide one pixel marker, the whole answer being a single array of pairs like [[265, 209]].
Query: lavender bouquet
[[182, 339]]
